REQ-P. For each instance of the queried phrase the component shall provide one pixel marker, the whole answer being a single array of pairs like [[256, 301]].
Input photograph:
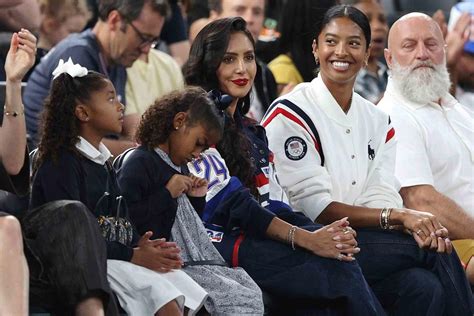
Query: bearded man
[[435, 149]]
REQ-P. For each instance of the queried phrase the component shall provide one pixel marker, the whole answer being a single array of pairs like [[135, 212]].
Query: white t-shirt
[[323, 154], [435, 145]]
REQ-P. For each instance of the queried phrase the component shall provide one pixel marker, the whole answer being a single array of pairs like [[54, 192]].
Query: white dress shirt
[[435, 145]]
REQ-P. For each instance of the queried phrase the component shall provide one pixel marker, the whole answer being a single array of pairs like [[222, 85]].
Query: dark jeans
[[311, 284], [412, 281], [67, 257]]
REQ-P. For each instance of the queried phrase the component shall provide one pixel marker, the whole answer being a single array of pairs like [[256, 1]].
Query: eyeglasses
[[145, 40]]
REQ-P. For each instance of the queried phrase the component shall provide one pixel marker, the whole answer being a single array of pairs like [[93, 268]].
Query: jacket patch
[[215, 236], [295, 148]]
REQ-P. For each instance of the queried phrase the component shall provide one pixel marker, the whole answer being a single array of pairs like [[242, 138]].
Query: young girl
[[72, 164], [293, 271], [334, 152], [164, 199]]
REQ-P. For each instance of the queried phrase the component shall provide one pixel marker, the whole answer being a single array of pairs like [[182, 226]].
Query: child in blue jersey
[[72, 163]]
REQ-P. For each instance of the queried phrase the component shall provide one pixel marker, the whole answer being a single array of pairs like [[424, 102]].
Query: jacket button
[[348, 131], [354, 183]]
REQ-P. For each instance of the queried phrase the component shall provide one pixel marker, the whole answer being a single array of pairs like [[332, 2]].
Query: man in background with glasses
[[125, 30]]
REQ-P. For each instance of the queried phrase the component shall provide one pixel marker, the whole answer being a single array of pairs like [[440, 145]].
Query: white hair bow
[[74, 70]]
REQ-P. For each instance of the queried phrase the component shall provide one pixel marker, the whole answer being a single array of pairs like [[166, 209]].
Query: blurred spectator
[[462, 22], [125, 30], [196, 27], [59, 18], [455, 40], [296, 63], [16, 14], [195, 10], [435, 149], [151, 76], [173, 37], [264, 90], [174, 34], [372, 79]]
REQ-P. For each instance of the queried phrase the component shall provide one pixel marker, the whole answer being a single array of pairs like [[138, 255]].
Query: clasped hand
[[427, 231], [336, 240], [158, 254]]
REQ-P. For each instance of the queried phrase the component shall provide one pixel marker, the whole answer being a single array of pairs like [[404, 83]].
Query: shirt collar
[[90, 152], [329, 104]]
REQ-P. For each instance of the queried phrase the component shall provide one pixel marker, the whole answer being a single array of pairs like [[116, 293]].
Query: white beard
[[421, 85]]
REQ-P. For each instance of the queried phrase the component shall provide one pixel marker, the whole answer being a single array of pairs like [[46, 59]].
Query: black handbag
[[115, 227]]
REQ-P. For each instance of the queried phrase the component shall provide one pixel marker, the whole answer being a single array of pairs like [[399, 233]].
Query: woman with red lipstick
[[334, 152], [247, 225]]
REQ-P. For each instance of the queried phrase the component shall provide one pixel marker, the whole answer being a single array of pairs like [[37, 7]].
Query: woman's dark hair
[[156, 123], [206, 55], [59, 124], [297, 20], [346, 11]]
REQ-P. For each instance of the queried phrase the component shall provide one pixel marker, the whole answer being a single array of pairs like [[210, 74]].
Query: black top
[[142, 178], [74, 177]]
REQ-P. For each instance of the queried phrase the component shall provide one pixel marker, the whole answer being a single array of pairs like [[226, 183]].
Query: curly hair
[[207, 52], [156, 123], [59, 124]]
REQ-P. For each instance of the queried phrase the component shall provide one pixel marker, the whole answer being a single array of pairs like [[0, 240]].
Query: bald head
[[415, 37], [416, 57]]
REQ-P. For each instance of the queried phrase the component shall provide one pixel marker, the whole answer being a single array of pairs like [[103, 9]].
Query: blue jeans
[[412, 281], [313, 285]]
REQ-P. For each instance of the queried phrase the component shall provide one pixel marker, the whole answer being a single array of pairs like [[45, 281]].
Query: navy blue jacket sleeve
[[150, 204], [198, 203], [240, 209]]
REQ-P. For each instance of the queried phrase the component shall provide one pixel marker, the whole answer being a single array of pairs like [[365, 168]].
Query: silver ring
[[339, 257], [419, 231]]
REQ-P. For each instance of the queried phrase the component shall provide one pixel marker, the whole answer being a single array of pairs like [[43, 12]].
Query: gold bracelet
[[385, 218], [12, 113], [291, 237]]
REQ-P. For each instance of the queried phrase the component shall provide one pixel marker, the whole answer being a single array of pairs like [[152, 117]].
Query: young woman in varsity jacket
[[293, 264], [334, 153]]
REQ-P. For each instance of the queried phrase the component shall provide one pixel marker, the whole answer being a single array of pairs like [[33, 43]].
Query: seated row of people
[[278, 245], [178, 128]]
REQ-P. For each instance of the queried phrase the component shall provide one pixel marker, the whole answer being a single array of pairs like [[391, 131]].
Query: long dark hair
[[59, 124], [156, 124], [297, 20], [206, 55]]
